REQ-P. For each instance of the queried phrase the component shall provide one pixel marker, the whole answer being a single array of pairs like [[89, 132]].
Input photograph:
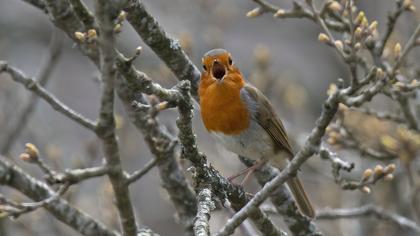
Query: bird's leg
[[248, 171], [254, 167]]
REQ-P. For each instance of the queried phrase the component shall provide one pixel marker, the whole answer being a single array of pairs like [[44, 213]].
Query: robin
[[241, 118]]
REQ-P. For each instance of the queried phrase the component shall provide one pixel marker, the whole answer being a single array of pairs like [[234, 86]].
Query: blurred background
[[281, 57]]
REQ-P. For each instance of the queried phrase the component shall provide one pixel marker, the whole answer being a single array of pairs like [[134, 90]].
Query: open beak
[[218, 70]]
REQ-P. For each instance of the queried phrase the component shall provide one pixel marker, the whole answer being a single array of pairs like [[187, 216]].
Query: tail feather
[[301, 198]]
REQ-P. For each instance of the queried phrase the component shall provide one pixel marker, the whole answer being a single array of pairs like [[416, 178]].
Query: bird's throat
[[222, 109]]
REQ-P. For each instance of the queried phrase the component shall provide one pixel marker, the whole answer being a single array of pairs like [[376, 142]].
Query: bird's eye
[[204, 67], [230, 61]]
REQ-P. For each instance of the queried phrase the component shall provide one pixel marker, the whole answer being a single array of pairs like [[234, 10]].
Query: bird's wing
[[267, 118]]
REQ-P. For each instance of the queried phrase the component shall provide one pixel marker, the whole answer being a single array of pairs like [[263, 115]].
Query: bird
[[243, 120]]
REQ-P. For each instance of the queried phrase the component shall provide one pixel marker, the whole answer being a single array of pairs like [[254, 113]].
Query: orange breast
[[222, 109]]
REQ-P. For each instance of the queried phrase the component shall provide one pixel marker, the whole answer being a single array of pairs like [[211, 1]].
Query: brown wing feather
[[268, 119]]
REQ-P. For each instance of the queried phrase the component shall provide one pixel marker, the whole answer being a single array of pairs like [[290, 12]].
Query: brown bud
[[323, 38], [332, 89], [339, 45], [279, 13], [31, 153], [331, 141], [373, 26], [32, 150], [397, 50], [92, 35], [360, 18], [328, 129], [335, 6], [367, 174], [365, 23], [254, 13], [122, 16], [117, 28], [342, 107], [390, 168], [379, 170], [389, 177], [25, 157], [358, 33], [411, 8], [139, 49], [380, 73], [365, 189], [81, 37]]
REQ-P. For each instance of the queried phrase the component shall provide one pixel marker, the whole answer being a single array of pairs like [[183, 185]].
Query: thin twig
[[74, 176], [368, 210], [56, 104], [136, 175], [26, 207], [392, 20]]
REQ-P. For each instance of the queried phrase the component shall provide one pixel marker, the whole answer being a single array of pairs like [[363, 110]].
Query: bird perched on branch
[[241, 118]]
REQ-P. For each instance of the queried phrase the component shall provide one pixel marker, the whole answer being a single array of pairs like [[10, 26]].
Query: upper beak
[[218, 70]]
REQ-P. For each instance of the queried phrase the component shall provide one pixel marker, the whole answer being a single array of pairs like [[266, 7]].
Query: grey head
[[215, 52]]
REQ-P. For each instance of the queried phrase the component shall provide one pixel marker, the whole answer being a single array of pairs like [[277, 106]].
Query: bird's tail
[[301, 198]]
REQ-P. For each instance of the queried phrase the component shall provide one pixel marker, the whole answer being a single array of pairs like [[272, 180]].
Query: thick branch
[[106, 123], [162, 145], [16, 178], [168, 49], [205, 205]]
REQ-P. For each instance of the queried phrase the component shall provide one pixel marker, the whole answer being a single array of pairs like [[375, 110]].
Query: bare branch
[[73, 176], [284, 203], [106, 122], [38, 4], [411, 119], [336, 163], [16, 178], [392, 20], [168, 49], [162, 145], [22, 208], [83, 13], [56, 104], [205, 205], [136, 175], [368, 210], [380, 115]]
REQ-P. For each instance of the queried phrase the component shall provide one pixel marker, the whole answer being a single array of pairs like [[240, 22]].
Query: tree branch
[[205, 205], [136, 175], [168, 49], [284, 203], [25, 114], [16, 178], [368, 210], [106, 123], [56, 104], [162, 145]]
